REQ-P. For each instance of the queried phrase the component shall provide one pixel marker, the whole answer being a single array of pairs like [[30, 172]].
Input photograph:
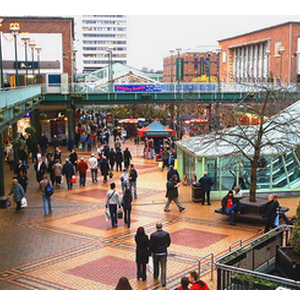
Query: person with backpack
[[46, 197], [172, 193]]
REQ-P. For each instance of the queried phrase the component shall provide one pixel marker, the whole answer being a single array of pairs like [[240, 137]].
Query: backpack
[[49, 189]]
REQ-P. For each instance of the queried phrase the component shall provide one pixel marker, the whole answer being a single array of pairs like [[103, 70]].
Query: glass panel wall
[[213, 169], [189, 166]]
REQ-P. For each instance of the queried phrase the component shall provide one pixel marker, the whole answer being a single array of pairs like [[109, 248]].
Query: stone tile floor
[[76, 249]]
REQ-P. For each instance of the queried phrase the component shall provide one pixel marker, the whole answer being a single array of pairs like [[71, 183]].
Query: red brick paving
[[106, 270]]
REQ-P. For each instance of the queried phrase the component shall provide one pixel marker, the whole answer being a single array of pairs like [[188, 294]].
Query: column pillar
[[2, 185], [16, 149]]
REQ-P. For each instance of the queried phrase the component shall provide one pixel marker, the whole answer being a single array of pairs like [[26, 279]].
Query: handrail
[[241, 243], [212, 265]]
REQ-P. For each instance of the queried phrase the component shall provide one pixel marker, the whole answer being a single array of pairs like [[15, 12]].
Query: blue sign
[[160, 88]]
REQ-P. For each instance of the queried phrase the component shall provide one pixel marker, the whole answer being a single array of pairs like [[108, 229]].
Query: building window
[[277, 45], [224, 57]]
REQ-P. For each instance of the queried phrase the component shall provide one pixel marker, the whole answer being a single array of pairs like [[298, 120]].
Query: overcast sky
[[156, 26]]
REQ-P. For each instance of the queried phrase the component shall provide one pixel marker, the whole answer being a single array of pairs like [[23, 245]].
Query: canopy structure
[[155, 129]]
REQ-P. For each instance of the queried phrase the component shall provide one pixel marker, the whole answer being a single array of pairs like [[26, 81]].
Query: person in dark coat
[[50, 170], [40, 169], [141, 253], [119, 159], [270, 213], [20, 167], [68, 171], [23, 155], [111, 157], [172, 172], [34, 151], [126, 203], [23, 180], [73, 159], [172, 194], [43, 142], [206, 183], [104, 168], [127, 157]]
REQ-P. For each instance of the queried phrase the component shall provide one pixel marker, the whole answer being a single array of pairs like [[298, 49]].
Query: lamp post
[[280, 51], [268, 52], [38, 49], [109, 50], [25, 38], [218, 50], [178, 70], [172, 52], [1, 66], [32, 45], [14, 29]]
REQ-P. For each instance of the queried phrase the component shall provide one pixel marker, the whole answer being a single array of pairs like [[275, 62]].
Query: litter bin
[[197, 195], [3, 203]]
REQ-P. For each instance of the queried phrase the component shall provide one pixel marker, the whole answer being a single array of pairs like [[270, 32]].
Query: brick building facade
[[46, 25], [256, 55], [195, 65]]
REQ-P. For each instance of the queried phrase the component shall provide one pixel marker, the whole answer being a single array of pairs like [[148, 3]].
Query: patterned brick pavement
[[75, 248]]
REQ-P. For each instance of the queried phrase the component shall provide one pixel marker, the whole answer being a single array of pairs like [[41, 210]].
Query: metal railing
[[211, 265], [182, 88], [254, 260]]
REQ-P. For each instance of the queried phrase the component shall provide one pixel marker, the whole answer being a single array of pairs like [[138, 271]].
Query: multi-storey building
[[269, 54], [195, 65], [98, 36], [49, 51]]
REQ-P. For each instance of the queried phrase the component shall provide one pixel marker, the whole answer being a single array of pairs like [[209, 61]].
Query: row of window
[[95, 35], [104, 16], [102, 62], [104, 22], [102, 42], [103, 49], [104, 28], [103, 55]]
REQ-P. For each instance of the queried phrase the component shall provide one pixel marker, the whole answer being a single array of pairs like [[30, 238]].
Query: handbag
[[107, 215], [276, 222], [120, 214], [24, 202], [150, 264], [73, 179], [49, 189]]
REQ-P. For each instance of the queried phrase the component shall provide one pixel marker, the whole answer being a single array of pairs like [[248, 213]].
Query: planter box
[[287, 262]]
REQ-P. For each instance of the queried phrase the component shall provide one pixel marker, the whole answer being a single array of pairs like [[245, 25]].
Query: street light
[[109, 50], [38, 49], [1, 66], [178, 70], [14, 29], [32, 45], [218, 50], [280, 51], [25, 38], [172, 52]]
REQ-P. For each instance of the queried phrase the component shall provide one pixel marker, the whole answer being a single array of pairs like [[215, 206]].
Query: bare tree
[[277, 126]]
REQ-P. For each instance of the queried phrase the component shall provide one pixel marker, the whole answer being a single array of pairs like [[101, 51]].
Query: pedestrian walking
[[119, 159], [93, 165], [111, 158], [126, 203], [57, 169], [270, 213], [68, 171], [165, 159], [23, 180], [112, 202], [123, 135], [127, 157], [172, 193], [18, 193], [46, 197], [73, 157], [117, 144], [43, 142], [124, 180], [160, 240], [133, 175], [141, 253], [50, 170], [40, 169], [82, 167], [104, 168], [206, 183]]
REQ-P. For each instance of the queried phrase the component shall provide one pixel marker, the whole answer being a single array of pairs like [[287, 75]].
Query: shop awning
[[155, 129]]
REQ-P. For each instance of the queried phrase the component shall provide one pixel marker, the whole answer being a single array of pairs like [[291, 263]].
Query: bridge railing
[[92, 88]]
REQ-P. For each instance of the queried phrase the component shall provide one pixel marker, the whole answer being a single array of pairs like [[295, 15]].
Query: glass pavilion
[[220, 155]]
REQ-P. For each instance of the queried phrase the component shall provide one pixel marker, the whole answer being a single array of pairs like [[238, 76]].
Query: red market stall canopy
[[155, 129]]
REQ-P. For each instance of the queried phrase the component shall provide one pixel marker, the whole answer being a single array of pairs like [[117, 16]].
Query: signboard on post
[[179, 69]]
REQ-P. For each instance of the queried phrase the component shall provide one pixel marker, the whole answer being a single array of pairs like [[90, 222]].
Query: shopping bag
[[8, 202], [160, 164], [150, 264], [80, 146], [107, 215], [276, 222], [73, 179], [24, 202], [120, 214]]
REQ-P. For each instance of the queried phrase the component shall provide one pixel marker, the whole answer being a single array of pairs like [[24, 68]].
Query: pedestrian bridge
[[90, 93]]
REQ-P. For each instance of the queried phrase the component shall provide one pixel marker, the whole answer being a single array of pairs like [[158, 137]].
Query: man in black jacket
[[270, 213], [68, 171], [159, 242], [127, 157]]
